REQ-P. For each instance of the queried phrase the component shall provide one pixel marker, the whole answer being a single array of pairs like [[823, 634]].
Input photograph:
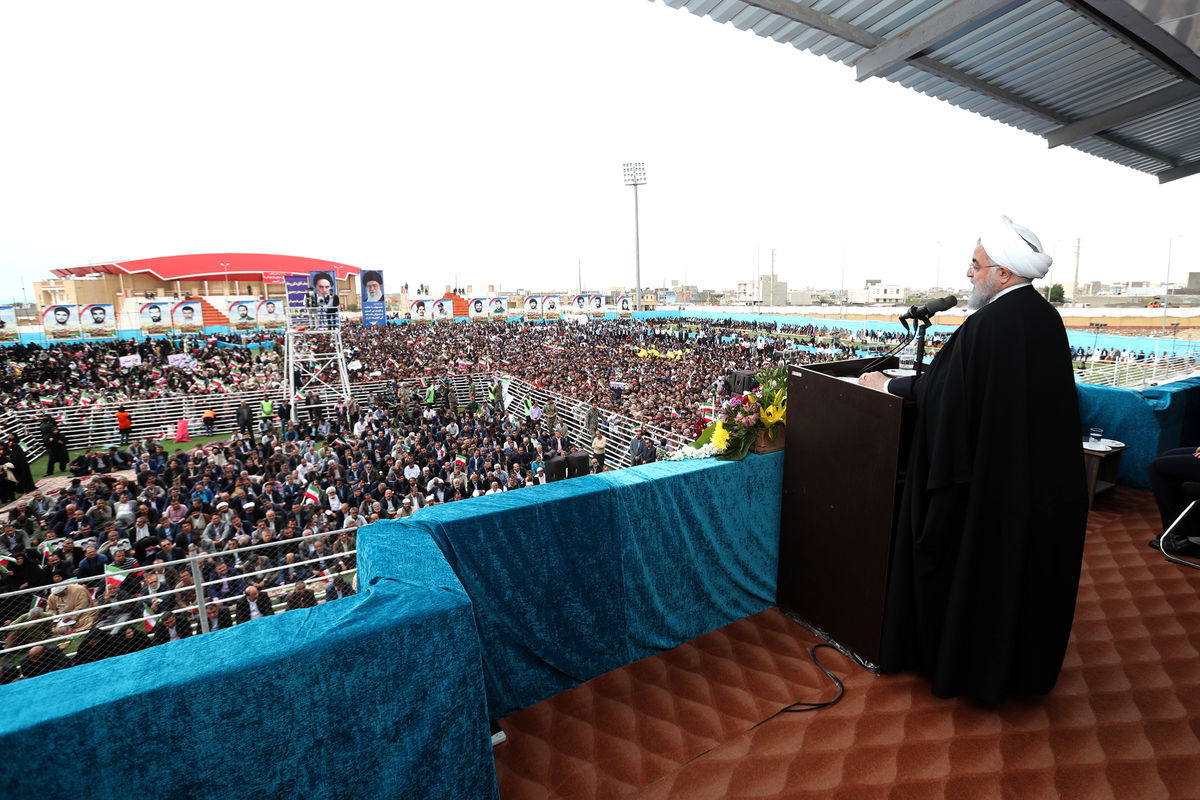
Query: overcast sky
[[481, 143]]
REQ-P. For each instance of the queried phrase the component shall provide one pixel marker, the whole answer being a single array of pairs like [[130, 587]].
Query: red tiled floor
[[1123, 721]]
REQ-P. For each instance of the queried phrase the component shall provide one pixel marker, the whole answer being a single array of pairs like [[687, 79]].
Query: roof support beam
[[819, 20], [1182, 171], [1123, 21], [1117, 115], [954, 18]]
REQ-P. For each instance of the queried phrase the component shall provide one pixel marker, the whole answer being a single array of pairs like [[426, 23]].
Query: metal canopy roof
[[1119, 79]]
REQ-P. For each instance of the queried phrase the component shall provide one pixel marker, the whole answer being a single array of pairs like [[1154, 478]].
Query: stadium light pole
[[635, 176], [1167, 285]]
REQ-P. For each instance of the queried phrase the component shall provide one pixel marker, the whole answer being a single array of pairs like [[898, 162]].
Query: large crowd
[[88, 373]]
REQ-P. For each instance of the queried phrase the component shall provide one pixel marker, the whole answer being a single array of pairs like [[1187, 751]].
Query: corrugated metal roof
[[1096, 75]]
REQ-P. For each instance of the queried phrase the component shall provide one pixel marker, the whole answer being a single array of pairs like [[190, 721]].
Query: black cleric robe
[[989, 542]]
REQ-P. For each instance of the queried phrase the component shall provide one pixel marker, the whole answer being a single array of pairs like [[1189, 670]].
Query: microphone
[[932, 307]]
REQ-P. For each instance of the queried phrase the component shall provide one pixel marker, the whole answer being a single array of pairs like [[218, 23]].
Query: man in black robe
[[985, 565]]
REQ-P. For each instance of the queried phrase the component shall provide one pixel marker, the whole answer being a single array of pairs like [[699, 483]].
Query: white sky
[[483, 141]]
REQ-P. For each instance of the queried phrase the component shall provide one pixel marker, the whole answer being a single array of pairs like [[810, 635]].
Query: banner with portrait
[[241, 315], [477, 308], [297, 290], [188, 317], [579, 304], [323, 287], [596, 306], [499, 308], [155, 319], [8, 324], [374, 308], [443, 310], [61, 323], [418, 311], [98, 321], [551, 307], [625, 306], [269, 315], [532, 307]]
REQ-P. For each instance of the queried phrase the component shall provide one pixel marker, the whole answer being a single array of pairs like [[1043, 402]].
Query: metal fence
[[96, 426], [124, 610], [1137, 374]]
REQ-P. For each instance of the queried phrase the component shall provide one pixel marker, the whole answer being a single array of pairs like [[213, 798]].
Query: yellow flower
[[773, 414], [720, 437]]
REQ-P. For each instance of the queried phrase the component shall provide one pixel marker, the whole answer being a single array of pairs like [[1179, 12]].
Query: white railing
[[1136, 374], [96, 426], [190, 594]]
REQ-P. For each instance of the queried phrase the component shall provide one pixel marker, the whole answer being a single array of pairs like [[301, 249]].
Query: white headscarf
[[1008, 244]]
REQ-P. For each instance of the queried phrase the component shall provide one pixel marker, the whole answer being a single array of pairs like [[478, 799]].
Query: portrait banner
[[269, 315], [418, 311], [8, 324], [323, 286], [98, 321], [499, 307], [297, 290], [596, 306], [374, 307], [551, 308], [241, 315], [579, 304], [533, 307], [477, 308], [443, 310], [625, 306], [188, 317], [154, 319], [61, 323]]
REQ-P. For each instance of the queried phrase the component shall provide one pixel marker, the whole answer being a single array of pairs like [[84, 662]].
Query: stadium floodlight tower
[[635, 176], [316, 358]]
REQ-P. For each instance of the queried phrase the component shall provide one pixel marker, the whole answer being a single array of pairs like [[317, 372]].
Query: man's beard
[[981, 295]]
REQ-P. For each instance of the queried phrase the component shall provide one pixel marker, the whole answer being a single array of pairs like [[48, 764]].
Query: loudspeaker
[[741, 380]]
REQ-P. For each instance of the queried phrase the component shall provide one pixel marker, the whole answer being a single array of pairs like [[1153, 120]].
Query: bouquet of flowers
[[739, 420]]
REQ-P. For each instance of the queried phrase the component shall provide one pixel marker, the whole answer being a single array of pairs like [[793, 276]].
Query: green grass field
[[38, 467]]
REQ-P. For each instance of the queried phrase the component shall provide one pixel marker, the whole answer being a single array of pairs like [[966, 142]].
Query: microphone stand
[[924, 323]]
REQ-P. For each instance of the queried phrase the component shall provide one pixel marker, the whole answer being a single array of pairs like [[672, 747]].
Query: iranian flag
[[459, 461], [148, 619], [38, 602], [113, 576], [708, 412], [311, 495], [46, 401], [464, 363], [7, 561]]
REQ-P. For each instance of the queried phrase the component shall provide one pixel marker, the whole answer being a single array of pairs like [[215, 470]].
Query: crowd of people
[[75, 374]]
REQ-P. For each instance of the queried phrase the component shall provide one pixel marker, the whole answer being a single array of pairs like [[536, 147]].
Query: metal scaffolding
[[316, 357]]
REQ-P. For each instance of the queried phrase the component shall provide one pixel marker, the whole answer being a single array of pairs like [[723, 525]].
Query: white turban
[[1016, 248]]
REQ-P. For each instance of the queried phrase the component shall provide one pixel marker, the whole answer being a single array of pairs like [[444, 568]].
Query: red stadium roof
[[212, 266]]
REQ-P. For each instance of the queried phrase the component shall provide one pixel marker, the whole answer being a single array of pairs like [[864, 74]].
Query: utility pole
[[1075, 287]]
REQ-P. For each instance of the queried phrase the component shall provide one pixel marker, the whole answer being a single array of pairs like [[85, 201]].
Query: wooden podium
[[846, 450]]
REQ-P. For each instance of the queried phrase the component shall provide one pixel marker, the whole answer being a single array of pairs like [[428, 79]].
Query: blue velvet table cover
[[1150, 421]]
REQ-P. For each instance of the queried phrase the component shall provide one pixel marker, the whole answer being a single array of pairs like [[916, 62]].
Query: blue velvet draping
[[376, 695], [571, 579]]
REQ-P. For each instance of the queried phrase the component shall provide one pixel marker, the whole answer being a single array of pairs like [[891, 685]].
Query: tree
[[1056, 293]]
